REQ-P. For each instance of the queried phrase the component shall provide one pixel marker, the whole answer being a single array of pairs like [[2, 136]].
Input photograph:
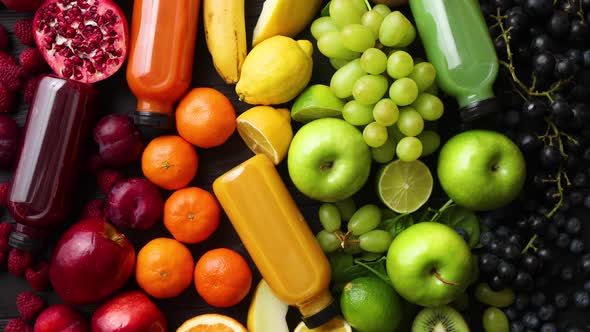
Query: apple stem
[[439, 277]]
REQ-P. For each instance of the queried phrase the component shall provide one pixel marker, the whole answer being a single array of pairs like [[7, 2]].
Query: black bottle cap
[[479, 111], [27, 239], [153, 119], [322, 317]]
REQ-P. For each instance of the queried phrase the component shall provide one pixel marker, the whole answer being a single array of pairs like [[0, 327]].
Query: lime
[[404, 186], [370, 304], [315, 102], [337, 324]]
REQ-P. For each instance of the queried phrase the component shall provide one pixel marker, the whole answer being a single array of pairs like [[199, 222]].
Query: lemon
[[267, 313], [404, 186], [284, 17], [266, 130], [275, 71], [335, 325], [316, 102]]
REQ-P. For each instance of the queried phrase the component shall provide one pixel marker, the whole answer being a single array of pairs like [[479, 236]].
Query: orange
[[164, 268], [169, 162], [191, 214], [211, 323], [205, 117], [222, 277]]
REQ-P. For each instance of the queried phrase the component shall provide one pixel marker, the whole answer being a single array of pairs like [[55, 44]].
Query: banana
[[225, 33]]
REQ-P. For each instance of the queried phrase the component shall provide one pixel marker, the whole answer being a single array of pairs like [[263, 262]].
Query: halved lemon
[[266, 130], [338, 324], [211, 323], [267, 313]]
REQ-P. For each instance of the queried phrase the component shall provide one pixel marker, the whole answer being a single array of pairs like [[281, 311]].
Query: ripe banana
[[225, 32]]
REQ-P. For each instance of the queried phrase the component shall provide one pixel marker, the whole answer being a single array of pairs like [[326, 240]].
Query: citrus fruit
[[222, 277], [316, 102], [205, 117], [266, 130], [267, 313], [275, 71], [169, 162], [211, 323], [337, 324], [164, 268], [404, 186], [371, 304], [284, 17], [191, 214]]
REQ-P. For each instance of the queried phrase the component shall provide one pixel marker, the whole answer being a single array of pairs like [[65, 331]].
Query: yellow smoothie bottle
[[277, 237]]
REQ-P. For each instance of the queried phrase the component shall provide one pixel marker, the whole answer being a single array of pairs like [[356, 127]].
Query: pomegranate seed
[[67, 72], [89, 67], [77, 61], [78, 73], [93, 9]]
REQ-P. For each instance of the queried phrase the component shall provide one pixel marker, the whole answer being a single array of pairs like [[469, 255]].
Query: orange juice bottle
[[161, 58], [277, 237]]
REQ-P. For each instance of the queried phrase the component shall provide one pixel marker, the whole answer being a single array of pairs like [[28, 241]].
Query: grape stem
[[369, 4], [561, 176], [439, 212], [530, 245]]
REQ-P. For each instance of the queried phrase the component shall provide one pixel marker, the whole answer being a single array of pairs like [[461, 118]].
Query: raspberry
[[30, 89], [23, 29], [18, 325], [4, 40], [32, 62], [19, 261], [5, 230], [38, 276], [10, 77], [107, 179], [29, 305], [93, 209], [7, 60], [4, 186], [7, 99]]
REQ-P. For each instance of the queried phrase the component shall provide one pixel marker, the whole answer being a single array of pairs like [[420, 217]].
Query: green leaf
[[345, 268], [326, 10], [397, 224], [460, 217]]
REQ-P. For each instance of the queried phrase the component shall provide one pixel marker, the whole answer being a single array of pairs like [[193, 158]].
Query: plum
[[9, 141], [119, 141], [134, 203], [61, 317]]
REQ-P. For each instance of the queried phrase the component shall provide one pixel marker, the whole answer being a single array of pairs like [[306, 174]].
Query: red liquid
[[46, 173]]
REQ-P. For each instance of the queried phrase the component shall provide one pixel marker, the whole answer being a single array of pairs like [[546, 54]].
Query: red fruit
[[23, 30], [134, 203], [5, 230], [107, 178], [94, 163], [96, 52], [32, 62], [4, 187], [3, 257], [7, 60], [38, 276], [61, 318], [29, 305], [91, 261], [119, 140], [10, 135], [18, 325], [7, 100], [23, 5], [31, 88], [4, 40], [93, 209], [129, 312], [10, 77], [19, 261]]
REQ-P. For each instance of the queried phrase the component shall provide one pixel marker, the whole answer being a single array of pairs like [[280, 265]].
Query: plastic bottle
[[161, 57], [57, 128], [458, 44]]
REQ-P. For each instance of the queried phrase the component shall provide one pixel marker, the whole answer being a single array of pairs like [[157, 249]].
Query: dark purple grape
[[585, 264], [563, 241], [488, 262], [544, 64], [581, 113], [581, 299], [496, 283], [546, 312], [531, 263], [587, 58], [551, 232], [548, 327], [567, 273], [542, 43], [512, 313], [564, 68], [550, 156], [576, 56], [528, 142], [576, 198], [523, 281], [573, 225], [577, 246], [540, 8], [531, 320], [579, 31], [538, 298], [534, 109], [517, 327], [506, 272], [521, 301], [561, 300], [559, 24]]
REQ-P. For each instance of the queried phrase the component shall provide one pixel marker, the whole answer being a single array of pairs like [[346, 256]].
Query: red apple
[[129, 312], [91, 261], [61, 318]]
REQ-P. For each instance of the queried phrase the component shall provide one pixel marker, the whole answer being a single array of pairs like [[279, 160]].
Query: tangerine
[[169, 162]]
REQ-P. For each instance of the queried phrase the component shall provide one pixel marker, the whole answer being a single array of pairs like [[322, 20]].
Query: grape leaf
[[397, 224], [457, 216], [346, 268]]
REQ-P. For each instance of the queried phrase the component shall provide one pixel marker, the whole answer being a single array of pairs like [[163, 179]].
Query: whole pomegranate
[[84, 40], [118, 139], [9, 141], [23, 5]]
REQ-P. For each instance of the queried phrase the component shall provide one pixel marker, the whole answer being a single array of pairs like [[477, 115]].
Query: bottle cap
[[27, 238], [479, 110], [321, 317], [153, 119]]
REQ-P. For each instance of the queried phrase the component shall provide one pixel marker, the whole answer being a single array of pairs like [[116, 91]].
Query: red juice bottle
[[57, 127]]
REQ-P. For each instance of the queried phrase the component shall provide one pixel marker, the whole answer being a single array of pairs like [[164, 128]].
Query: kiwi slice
[[439, 319]]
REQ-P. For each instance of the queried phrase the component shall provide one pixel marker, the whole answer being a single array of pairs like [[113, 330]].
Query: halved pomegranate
[[84, 40]]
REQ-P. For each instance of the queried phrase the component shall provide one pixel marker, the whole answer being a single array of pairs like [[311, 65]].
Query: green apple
[[328, 160], [481, 170], [429, 264]]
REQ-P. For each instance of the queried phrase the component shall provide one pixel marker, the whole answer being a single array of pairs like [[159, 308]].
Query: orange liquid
[[161, 59]]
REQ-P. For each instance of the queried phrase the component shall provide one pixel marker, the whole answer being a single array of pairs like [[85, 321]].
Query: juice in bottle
[[58, 124], [459, 46], [277, 237], [161, 57]]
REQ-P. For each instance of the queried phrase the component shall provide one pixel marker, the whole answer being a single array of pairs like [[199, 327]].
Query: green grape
[[352, 246], [423, 74], [328, 241], [429, 106], [382, 9], [385, 112], [408, 149], [403, 91], [344, 12], [365, 219], [344, 78], [330, 45], [329, 217], [360, 5], [370, 256], [395, 134], [369, 89], [430, 142], [372, 20], [410, 123], [495, 320], [399, 64], [409, 37], [357, 37], [357, 114], [376, 241], [338, 63], [375, 135], [346, 208], [393, 29], [432, 89], [385, 152], [322, 25], [373, 61]]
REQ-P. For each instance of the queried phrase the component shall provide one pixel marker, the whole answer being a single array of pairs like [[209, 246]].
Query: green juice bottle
[[458, 44]]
